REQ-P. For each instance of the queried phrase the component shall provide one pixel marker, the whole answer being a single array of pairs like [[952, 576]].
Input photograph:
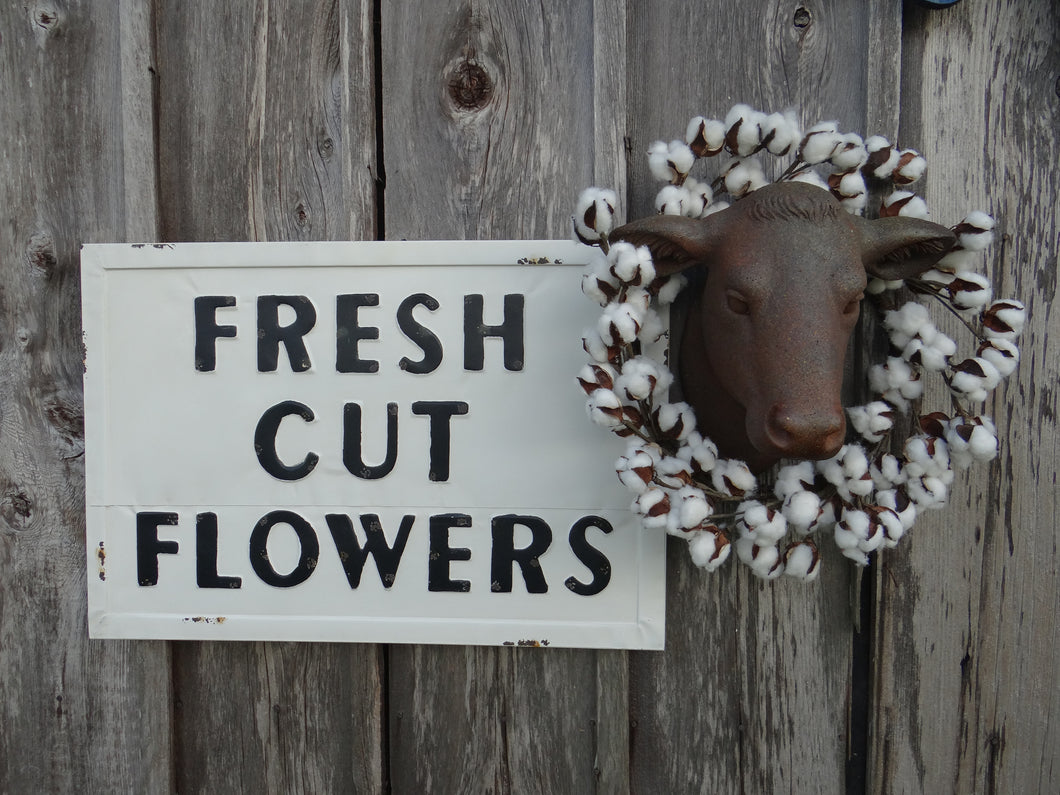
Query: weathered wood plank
[[75, 131], [267, 132], [753, 691], [969, 680], [491, 113]]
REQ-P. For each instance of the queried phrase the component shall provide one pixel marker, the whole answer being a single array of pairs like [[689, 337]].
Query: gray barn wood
[[317, 119]]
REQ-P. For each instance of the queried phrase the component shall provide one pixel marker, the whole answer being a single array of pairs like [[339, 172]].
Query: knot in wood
[[802, 18], [41, 253], [45, 18], [470, 86]]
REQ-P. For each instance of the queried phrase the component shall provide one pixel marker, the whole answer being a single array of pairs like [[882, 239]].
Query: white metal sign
[[353, 442]]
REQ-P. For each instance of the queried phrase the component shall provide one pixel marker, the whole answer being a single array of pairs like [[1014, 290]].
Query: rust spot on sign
[[206, 619], [101, 556], [527, 643]]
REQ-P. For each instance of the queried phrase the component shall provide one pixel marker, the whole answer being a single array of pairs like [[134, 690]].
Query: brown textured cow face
[[765, 336]]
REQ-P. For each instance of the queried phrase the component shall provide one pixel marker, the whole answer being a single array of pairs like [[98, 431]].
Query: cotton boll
[[630, 265], [886, 472], [915, 208], [845, 539], [674, 420], [858, 481], [652, 506], [872, 421], [828, 517], [600, 351], [671, 200], [745, 549], [780, 132], [848, 471], [635, 470], [925, 455], [851, 185], [801, 509], [819, 143], [743, 132], [673, 472], [700, 453], [973, 439], [882, 157], [910, 167], [669, 289], [764, 561], [793, 478], [970, 291], [895, 381], [670, 162], [705, 137], [898, 501], [854, 204], [760, 521], [743, 177], [928, 492], [619, 323], [594, 214], [732, 478], [850, 153], [905, 323], [904, 203], [977, 241], [709, 548], [641, 378], [596, 376], [1004, 319], [974, 378], [698, 195], [681, 157], [652, 329], [802, 561], [983, 442], [856, 555], [602, 291], [1001, 353], [890, 525], [659, 161], [605, 408], [689, 508], [933, 358], [956, 259], [975, 232]]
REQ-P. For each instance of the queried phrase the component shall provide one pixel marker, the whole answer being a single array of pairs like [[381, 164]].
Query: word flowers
[[868, 495]]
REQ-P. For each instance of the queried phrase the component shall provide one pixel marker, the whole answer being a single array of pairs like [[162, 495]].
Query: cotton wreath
[[869, 494]]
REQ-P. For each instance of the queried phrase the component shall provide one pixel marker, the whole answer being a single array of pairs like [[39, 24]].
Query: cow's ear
[[675, 242], [901, 248]]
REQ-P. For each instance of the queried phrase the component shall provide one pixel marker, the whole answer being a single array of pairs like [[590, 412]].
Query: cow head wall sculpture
[[764, 341]]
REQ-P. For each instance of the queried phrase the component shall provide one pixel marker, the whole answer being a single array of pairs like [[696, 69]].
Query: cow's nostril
[[817, 434]]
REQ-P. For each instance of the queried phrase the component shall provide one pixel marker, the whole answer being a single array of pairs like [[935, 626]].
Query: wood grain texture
[[164, 120], [968, 687], [491, 116], [267, 132], [756, 679], [75, 714]]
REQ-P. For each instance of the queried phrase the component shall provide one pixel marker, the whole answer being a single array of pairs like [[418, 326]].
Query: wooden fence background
[[167, 120]]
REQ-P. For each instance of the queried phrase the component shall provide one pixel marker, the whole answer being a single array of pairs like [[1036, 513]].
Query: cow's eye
[[737, 303]]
